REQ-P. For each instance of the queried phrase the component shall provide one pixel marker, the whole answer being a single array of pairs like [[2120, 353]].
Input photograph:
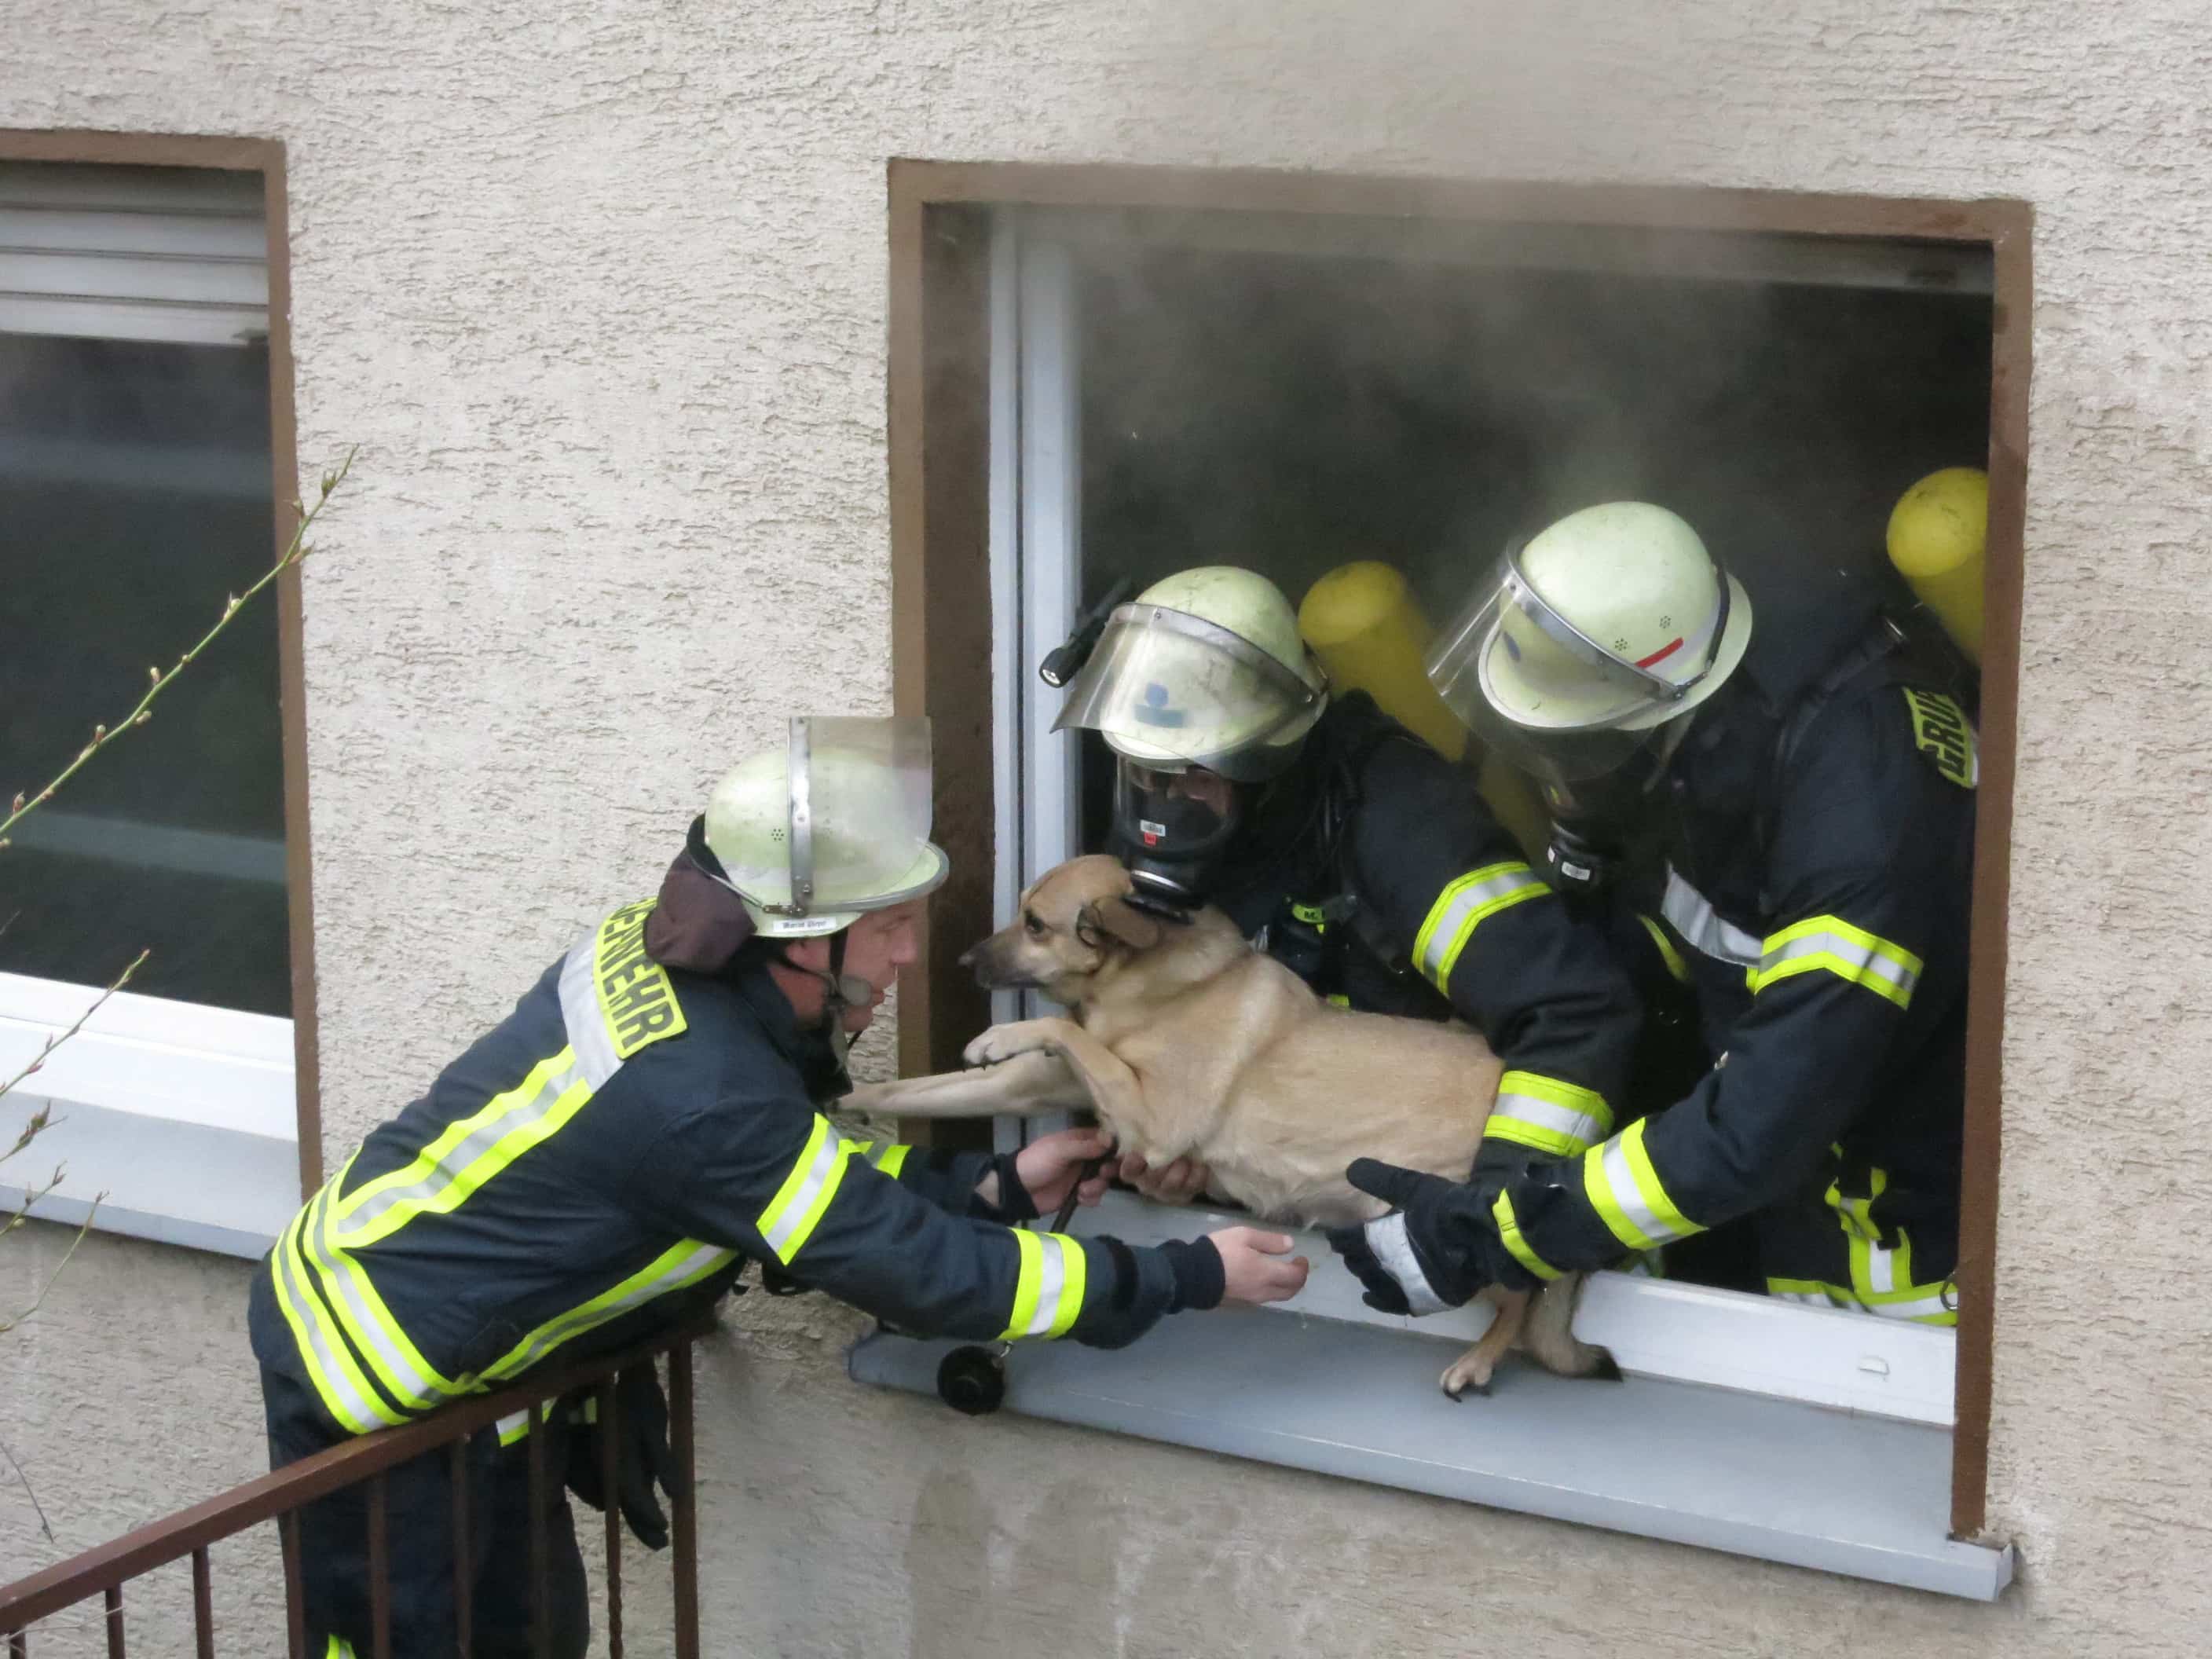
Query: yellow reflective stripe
[[1509, 1231], [471, 1152], [1075, 1274], [1048, 1287], [1465, 904], [1874, 1268], [353, 1404], [516, 1424], [796, 1210], [338, 1648], [1677, 969], [681, 1264], [1547, 1114], [888, 1159], [1919, 1304], [407, 1377], [1626, 1193], [1028, 1280], [1887, 969]]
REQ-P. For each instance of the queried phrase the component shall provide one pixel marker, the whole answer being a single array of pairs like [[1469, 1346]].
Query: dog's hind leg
[[1473, 1368], [1548, 1336]]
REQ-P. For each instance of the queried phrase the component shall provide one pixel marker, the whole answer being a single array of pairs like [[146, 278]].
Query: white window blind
[[172, 254]]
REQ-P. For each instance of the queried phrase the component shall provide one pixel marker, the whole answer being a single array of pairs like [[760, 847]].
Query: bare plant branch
[[296, 550], [32, 1195], [28, 1491], [38, 1121], [83, 1228]]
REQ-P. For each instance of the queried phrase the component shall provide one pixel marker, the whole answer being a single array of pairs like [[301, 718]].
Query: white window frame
[[1848, 1361], [1837, 1367], [180, 1119]]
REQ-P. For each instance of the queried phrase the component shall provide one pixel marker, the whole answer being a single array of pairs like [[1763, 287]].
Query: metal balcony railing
[[107, 1571]]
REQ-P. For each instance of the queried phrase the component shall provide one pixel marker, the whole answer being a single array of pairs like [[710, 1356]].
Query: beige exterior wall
[[600, 293]]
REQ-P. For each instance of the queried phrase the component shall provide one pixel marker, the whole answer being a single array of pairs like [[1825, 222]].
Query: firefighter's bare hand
[[1176, 1182], [1049, 1165], [1254, 1267]]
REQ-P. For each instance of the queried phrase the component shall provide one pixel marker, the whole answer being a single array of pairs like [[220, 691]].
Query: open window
[[1101, 374], [144, 397]]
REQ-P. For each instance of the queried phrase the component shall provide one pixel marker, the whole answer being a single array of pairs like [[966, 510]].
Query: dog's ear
[[1118, 919]]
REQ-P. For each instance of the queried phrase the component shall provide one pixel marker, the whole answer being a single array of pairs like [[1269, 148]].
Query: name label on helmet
[[1941, 732], [636, 999]]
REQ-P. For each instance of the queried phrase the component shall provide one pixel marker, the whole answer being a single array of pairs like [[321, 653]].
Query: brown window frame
[[940, 588], [266, 157]]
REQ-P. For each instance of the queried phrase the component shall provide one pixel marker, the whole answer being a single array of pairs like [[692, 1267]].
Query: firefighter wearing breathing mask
[[1780, 826], [1346, 847], [604, 1162]]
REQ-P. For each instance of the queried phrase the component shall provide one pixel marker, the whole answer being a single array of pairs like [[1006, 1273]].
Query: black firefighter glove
[[643, 1457], [1436, 1249]]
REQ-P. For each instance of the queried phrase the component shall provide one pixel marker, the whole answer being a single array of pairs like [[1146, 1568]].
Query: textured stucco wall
[[600, 293]]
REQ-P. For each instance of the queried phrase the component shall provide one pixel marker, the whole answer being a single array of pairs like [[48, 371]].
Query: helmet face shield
[[1561, 704], [839, 826], [1173, 689]]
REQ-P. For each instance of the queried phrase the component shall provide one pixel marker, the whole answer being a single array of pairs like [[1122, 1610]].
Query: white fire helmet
[[835, 823], [1204, 668], [1586, 645]]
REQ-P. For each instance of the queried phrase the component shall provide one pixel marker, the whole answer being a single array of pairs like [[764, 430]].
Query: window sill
[[183, 1117], [1776, 1479], [1761, 1428]]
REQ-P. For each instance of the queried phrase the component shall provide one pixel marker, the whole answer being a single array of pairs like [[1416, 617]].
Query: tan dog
[[1189, 1044]]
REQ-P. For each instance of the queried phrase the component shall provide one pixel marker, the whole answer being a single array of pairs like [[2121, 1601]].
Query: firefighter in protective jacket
[[606, 1160], [1347, 849], [1784, 835]]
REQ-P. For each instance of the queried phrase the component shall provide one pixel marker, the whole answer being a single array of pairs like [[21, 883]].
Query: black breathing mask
[[1171, 829], [1598, 818]]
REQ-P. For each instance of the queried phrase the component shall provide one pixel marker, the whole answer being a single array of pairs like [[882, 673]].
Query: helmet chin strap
[[842, 991]]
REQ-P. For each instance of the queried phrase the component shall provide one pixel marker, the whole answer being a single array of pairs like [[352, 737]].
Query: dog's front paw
[[1002, 1042]]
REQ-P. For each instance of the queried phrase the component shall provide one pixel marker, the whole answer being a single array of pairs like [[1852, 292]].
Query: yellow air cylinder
[[1363, 623], [1938, 531]]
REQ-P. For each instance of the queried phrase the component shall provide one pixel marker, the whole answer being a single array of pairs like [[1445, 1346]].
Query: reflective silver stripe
[[1387, 1239], [312, 1323], [487, 1134], [1547, 1114], [1926, 1307], [1691, 914], [1809, 1298], [1858, 954], [695, 1262], [1445, 936], [416, 1390], [1052, 1279], [511, 1426], [1881, 1269], [579, 1012], [798, 1210], [1620, 1178]]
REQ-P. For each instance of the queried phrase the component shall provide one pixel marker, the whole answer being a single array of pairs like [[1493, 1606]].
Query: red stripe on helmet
[[1661, 654]]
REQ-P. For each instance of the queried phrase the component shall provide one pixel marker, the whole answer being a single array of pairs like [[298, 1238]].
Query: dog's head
[[1075, 920]]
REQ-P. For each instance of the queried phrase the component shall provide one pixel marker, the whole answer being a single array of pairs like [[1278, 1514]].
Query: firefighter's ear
[[1120, 920]]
